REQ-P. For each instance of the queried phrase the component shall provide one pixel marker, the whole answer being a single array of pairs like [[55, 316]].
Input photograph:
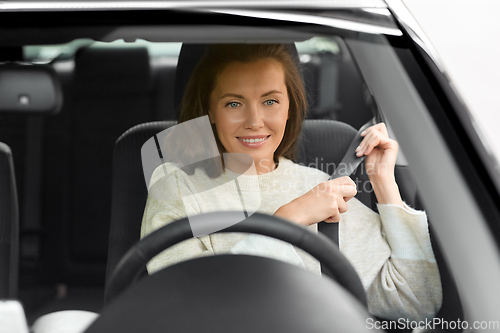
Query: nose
[[254, 117]]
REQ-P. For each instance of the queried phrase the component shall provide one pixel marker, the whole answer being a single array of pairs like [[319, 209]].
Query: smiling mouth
[[254, 140]]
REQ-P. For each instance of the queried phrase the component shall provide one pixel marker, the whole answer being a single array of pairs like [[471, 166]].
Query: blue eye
[[271, 102], [233, 104]]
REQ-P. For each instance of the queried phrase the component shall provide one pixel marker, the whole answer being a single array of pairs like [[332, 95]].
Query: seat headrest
[[188, 58], [29, 89]]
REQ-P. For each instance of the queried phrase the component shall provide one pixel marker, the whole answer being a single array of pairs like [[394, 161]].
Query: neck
[[264, 166], [243, 164]]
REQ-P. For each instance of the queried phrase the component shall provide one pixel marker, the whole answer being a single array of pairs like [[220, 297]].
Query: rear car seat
[[9, 225], [28, 93], [106, 91], [111, 90]]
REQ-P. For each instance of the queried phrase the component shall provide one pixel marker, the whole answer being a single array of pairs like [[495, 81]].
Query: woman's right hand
[[325, 202]]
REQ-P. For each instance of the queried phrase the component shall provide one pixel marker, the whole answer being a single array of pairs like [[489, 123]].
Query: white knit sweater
[[391, 252]]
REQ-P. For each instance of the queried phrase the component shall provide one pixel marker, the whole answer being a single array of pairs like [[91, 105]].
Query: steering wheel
[[335, 265]]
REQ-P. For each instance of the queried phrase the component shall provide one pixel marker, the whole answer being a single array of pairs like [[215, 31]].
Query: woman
[[255, 100]]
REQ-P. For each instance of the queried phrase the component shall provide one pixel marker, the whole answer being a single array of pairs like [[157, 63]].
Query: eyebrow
[[239, 96]]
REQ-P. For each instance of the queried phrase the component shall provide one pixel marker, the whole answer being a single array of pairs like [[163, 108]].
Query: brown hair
[[196, 99]]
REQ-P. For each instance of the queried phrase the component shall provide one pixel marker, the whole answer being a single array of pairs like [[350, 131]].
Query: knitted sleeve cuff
[[407, 232]]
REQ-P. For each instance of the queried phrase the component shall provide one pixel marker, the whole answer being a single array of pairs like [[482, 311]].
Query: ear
[[211, 117]]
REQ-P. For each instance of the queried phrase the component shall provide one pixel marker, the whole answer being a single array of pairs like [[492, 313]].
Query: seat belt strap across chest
[[346, 167]]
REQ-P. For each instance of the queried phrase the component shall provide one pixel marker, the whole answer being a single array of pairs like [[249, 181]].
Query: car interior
[[72, 191]]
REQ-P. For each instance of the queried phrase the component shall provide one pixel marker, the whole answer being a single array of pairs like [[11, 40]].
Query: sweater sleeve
[[163, 206], [392, 254]]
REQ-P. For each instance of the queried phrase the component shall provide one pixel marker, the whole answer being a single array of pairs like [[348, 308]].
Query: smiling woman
[[230, 77], [254, 97], [252, 120]]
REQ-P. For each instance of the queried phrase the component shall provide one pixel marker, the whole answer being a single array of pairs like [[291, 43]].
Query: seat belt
[[346, 167]]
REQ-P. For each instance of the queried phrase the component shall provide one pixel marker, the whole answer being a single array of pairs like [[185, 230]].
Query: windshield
[[145, 136]]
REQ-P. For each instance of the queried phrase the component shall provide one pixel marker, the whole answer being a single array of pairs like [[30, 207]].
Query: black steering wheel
[[335, 265]]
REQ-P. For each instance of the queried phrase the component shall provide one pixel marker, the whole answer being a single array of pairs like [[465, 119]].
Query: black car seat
[[129, 192], [9, 225], [109, 91]]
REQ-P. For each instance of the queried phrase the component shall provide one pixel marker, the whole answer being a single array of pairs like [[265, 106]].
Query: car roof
[[166, 4]]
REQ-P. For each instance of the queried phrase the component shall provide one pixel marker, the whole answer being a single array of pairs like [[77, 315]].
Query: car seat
[[322, 145], [109, 91], [9, 225]]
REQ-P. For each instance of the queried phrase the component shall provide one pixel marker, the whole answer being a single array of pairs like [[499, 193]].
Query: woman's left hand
[[381, 152]]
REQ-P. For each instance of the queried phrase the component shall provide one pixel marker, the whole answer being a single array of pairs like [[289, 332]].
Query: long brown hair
[[196, 98]]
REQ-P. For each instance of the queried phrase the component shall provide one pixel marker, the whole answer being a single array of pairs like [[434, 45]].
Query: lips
[[254, 141], [254, 138]]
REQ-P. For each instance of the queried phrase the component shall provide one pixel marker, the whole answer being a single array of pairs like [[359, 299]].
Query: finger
[[380, 140], [382, 128], [345, 180], [375, 141], [363, 142], [348, 191], [360, 151], [342, 206], [368, 130], [333, 219]]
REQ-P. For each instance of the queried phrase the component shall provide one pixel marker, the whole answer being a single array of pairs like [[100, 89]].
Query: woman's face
[[249, 106]]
